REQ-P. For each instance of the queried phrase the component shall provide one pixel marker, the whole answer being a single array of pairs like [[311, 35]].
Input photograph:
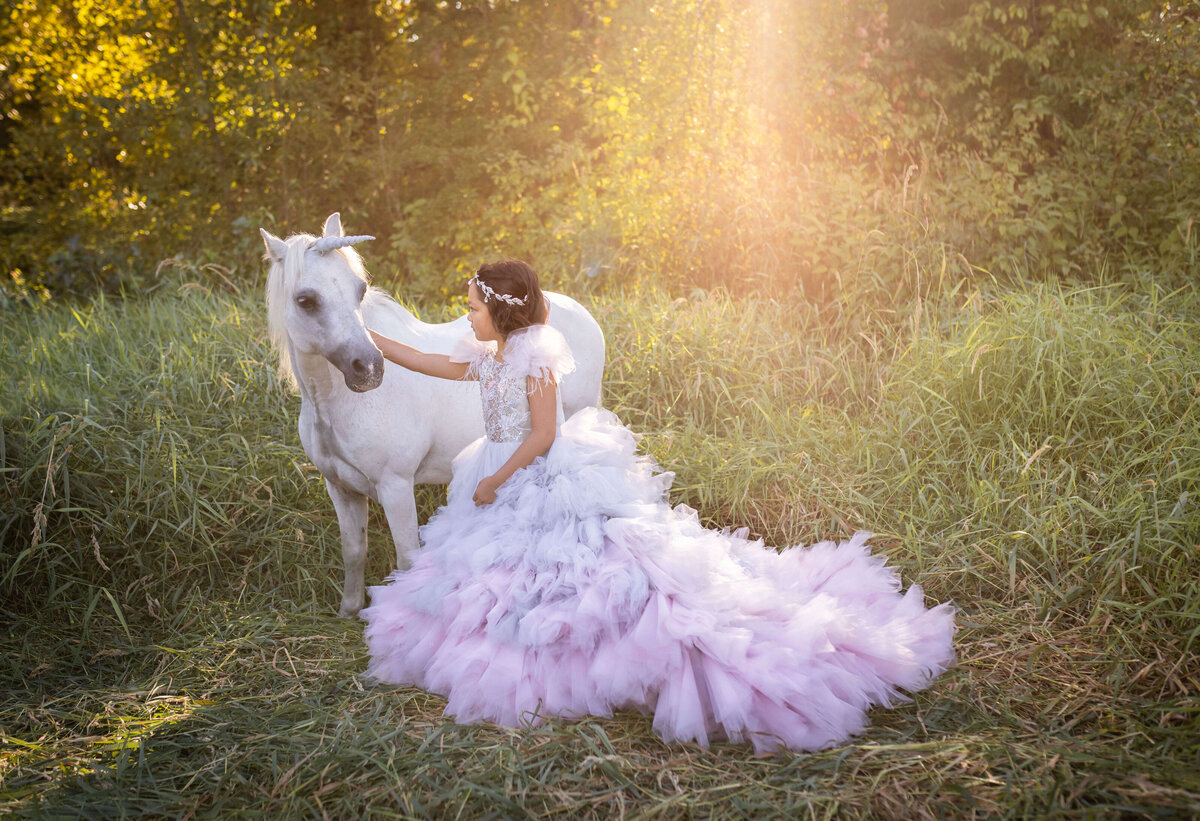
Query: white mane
[[281, 286]]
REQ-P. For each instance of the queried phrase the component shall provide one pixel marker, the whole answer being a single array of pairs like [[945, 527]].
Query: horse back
[[579, 389]]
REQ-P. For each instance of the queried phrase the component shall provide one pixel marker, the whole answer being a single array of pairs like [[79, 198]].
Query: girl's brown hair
[[517, 279]]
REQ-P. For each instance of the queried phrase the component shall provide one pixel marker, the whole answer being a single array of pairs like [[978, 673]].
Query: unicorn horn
[[326, 244]]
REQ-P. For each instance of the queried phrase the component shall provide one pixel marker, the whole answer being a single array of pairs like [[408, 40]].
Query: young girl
[[557, 581]]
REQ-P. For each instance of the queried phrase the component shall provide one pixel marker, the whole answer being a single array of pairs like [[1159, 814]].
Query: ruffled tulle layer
[[580, 591]]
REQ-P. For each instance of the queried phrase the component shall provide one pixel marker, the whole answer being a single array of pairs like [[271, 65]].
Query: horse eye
[[307, 302]]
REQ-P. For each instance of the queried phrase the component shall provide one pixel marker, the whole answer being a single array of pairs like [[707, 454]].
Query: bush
[[785, 148]]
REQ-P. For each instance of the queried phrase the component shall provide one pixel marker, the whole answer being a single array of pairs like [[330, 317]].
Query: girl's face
[[479, 317]]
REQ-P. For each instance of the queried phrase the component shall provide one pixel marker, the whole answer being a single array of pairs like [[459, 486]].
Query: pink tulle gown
[[580, 591]]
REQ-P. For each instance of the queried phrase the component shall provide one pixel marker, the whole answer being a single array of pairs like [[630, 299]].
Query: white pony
[[374, 433]]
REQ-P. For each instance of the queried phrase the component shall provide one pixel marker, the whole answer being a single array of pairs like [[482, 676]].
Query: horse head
[[315, 291]]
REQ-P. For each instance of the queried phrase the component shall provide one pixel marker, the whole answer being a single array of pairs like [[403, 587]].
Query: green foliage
[[783, 147], [1050, 138], [133, 132]]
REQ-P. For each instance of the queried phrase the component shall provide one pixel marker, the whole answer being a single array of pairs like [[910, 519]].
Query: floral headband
[[490, 294]]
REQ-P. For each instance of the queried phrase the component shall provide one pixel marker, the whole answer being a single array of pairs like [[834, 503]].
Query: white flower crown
[[489, 294]]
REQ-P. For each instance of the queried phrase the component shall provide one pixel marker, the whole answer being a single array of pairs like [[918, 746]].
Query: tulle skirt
[[580, 591]]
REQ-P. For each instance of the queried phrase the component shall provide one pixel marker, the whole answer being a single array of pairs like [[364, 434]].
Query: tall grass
[[147, 453], [170, 566]]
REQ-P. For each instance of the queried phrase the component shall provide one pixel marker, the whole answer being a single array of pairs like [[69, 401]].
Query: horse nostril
[[358, 366]]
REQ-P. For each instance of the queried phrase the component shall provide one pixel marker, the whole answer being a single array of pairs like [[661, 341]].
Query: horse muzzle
[[362, 372]]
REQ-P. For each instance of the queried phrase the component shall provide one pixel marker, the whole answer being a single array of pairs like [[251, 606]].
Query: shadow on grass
[[263, 712]]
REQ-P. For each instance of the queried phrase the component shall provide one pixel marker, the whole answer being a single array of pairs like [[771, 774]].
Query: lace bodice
[[505, 402], [540, 352]]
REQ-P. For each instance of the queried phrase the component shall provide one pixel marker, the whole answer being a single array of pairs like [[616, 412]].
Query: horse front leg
[[351, 510], [396, 496]]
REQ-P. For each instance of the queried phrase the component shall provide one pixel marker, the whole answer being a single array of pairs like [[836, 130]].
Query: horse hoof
[[348, 612]]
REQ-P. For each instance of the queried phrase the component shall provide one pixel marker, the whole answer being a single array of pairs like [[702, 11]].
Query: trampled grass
[[170, 569]]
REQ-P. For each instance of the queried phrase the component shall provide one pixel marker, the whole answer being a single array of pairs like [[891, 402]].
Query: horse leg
[[400, 505], [351, 510]]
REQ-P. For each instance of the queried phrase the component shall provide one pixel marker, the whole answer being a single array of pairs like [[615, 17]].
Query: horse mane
[[281, 286]]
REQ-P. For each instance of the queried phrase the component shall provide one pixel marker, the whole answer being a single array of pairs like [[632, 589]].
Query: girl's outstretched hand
[[485, 493]]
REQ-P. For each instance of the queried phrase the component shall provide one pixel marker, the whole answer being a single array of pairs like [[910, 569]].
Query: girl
[[557, 581]]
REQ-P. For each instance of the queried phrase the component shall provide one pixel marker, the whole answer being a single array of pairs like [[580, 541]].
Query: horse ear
[[276, 248], [333, 225]]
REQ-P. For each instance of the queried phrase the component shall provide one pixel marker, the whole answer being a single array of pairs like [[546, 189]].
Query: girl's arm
[[543, 410], [431, 364]]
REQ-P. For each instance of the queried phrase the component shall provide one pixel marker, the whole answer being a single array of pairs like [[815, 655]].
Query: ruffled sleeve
[[539, 351], [470, 350]]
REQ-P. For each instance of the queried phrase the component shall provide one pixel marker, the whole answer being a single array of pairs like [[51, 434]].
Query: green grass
[[170, 568]]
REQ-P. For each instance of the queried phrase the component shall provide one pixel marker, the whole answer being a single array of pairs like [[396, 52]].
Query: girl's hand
[[485, 493]]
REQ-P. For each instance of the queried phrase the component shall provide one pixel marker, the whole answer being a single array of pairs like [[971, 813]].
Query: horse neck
[[316, 379]]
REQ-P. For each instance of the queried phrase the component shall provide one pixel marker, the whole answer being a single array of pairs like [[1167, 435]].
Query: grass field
[[170, 571]]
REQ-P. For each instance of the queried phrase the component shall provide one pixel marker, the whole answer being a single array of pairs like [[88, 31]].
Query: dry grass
[[170, 565]]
